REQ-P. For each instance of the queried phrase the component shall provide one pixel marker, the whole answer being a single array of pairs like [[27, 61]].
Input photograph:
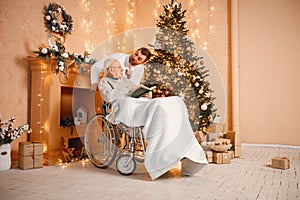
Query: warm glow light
[[130, 15], [110, 20], [46, 126], [87, 23], [45, 148], [192, 2], [201, 29]]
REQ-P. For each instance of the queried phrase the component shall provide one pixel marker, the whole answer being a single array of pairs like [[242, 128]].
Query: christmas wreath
[[59, 24], [56, 20]]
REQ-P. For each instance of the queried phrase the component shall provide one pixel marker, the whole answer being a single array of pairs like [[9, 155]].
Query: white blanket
[[166, 128]]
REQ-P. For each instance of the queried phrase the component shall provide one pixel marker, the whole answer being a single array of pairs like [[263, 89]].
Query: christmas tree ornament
[[204, 107]]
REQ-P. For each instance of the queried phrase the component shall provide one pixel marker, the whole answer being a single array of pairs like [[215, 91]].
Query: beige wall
[[22, 31], [269, 50]]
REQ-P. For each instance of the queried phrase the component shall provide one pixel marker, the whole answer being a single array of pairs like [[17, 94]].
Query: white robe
[[137, 71], [165, 122]]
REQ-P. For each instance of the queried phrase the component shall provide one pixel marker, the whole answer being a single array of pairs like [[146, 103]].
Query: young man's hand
[[148, 95], [128, 72]]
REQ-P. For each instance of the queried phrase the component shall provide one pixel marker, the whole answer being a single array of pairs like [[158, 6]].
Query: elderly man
[[131, 63], [165, 124]]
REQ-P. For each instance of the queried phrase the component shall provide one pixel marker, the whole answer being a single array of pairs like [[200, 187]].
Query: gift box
[[280, 163], [221, 158], [212, 136], [26, 149], [209, 156], [25, 162], [237, 151], [215, 128], [30, 155], [231, 154], [235, 137]]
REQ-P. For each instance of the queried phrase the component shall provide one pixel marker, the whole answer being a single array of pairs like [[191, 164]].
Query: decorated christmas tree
[[176, 70]]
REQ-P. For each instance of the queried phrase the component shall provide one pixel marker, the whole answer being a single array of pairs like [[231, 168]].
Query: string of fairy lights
[[87, 22], [157, 9], [40, 103], [200, 21], [42, 123], [199, 17], [111, 25], [130, 19]]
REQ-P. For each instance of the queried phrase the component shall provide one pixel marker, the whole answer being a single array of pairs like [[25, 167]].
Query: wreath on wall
[[59, 24], [56, 20]]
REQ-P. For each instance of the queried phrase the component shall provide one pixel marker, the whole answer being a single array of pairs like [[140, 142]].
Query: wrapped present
[[200, 136], [231, 154], [221, 158], [280, 163], [213, 136], [25, 162], [222, 141], [37, 155], [237, 151], [235, 137], [26, 149], [30, 155], [209, 156]]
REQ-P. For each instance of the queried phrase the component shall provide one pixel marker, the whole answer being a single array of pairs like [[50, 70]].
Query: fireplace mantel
[[52, 97]]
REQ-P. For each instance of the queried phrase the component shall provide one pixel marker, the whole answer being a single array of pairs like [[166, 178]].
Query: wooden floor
[[249, 177]]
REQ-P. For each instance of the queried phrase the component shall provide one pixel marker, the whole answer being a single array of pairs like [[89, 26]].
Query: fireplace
[[52, 98]]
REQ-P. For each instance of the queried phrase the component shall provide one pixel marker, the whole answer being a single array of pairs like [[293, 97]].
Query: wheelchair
[[103, 146]]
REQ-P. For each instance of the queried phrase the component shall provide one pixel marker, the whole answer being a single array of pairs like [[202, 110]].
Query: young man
[[132, 65]]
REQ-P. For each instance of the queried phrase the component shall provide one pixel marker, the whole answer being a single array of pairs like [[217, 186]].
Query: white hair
[[107, 64]]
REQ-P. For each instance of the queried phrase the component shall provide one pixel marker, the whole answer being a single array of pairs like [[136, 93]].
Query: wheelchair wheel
[[125, 165], [101, 141]]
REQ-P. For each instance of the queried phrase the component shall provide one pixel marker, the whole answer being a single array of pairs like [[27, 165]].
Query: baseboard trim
[[271, 145]]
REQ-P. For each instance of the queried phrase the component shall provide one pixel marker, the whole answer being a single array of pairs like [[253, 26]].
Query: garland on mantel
[[53, 15]]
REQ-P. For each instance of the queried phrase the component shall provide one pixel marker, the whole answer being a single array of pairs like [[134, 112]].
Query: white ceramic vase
[[5, 159]]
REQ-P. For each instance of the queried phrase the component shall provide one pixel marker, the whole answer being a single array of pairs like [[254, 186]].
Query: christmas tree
[[176, 70]]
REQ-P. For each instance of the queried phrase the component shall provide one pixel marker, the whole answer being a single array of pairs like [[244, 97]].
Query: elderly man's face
[[116, 69]]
